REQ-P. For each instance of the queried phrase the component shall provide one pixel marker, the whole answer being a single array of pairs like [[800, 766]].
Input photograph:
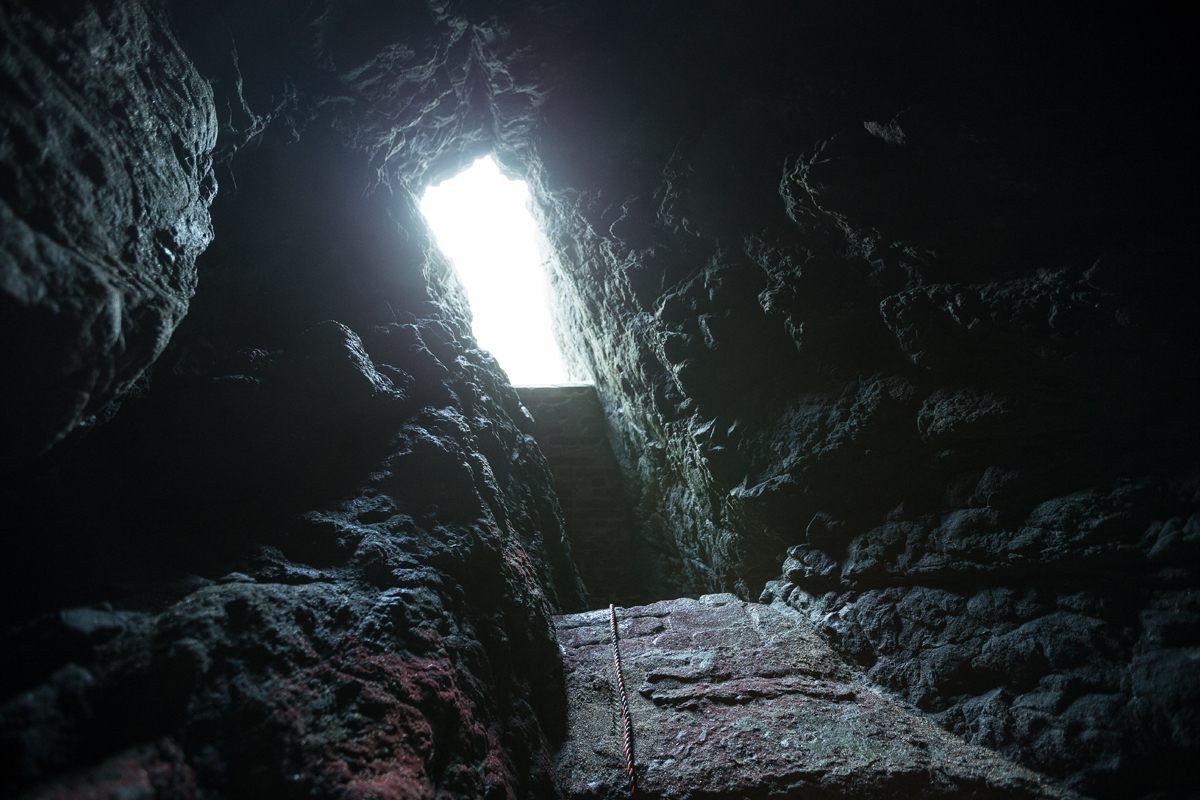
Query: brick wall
[[570, 428]]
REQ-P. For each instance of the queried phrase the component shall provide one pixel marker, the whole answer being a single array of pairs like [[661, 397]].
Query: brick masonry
[[570, 427]]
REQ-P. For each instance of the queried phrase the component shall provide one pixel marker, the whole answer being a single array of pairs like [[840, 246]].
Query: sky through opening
[[482, 223]]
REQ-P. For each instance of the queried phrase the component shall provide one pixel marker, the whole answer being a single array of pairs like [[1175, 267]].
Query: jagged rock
[[809, 566], [106, 176], [905, 295], [271, 688], [742, 700], [386, 632], [960, 414], [918, 314]]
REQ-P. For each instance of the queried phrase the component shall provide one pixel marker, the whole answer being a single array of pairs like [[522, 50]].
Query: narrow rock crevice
[[888, 316]]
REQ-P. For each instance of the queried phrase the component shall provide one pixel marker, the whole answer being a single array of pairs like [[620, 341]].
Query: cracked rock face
[[107, 178], [741, 700], [363, 612]]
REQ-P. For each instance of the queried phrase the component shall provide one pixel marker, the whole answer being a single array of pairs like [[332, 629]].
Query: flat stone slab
[[742, 700]]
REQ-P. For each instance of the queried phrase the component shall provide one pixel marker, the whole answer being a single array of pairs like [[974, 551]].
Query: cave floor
[[742, 700]]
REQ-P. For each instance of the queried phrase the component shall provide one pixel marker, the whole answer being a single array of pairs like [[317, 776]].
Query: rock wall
[[894, 300], [317, 551], [324, 574], [105, 182]]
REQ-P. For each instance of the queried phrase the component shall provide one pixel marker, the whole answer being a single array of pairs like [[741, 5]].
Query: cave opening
[[482, 223]]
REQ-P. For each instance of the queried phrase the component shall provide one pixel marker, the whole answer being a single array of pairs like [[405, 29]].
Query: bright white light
[[482, 223]]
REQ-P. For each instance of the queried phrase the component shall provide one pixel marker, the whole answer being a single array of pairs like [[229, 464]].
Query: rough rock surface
[[895, 299], [362, 612], [105, 182], [741, 700], [571, 429], [867, 302], [309, 557]]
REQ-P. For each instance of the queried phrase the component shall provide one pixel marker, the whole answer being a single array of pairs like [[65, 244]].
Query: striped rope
[[630, 761]]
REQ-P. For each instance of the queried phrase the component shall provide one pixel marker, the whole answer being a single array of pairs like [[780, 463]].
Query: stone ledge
[[743, 700]]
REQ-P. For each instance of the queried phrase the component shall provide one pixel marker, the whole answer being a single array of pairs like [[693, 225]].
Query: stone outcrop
[[105, 182], [357, 604], [742, 700]]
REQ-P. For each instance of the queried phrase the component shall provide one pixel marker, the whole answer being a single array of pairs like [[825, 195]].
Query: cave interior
[[883, 451]]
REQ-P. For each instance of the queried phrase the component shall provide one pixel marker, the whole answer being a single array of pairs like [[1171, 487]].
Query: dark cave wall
[[905, 293], [894, 300], [106, 174], [325, 574], [315, 552]]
